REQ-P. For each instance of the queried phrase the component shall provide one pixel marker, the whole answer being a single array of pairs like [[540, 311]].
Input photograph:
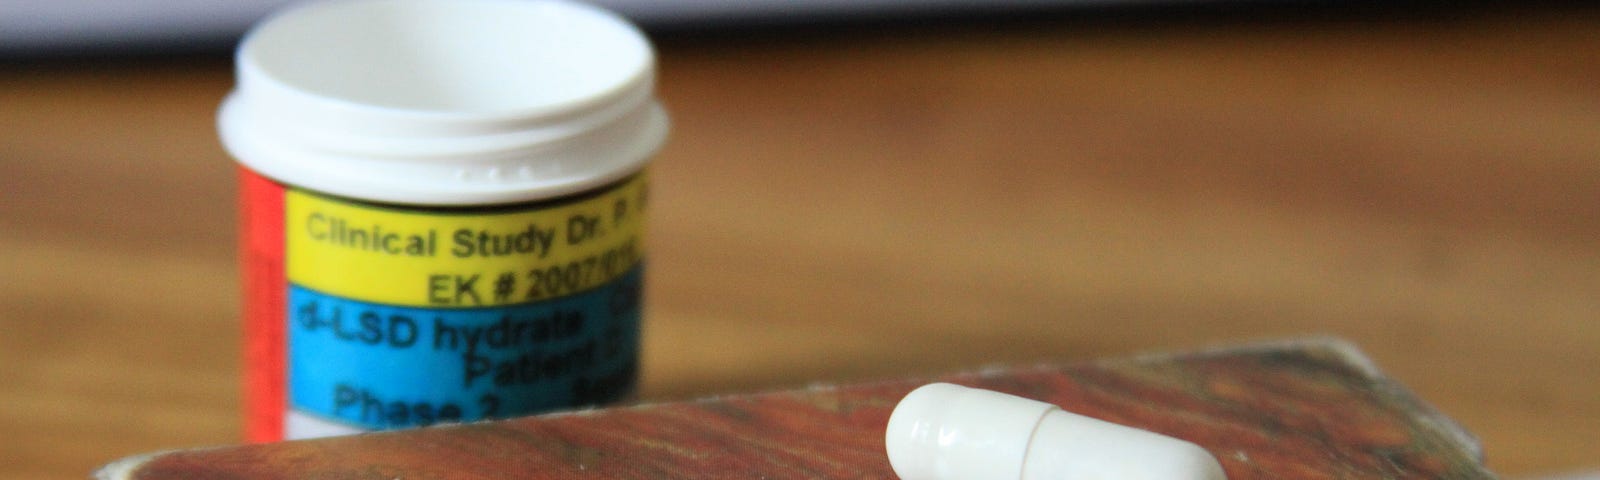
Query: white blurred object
[[33, 26]]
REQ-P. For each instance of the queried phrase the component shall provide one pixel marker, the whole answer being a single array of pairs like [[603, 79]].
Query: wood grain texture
[[1301, 410], [841, 207]]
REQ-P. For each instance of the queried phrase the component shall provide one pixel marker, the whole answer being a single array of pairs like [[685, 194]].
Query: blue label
[[380, 366]]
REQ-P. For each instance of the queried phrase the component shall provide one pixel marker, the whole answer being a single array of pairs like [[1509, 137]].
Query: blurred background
[[867, 190]]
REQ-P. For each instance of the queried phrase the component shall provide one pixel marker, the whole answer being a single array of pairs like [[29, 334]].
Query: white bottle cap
[[949, 432], [444, 101]]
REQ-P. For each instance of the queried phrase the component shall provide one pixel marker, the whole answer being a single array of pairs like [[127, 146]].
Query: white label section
[[298, 425]]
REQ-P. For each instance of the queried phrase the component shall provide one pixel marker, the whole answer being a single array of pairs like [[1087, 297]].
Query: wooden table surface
[[839, 206]]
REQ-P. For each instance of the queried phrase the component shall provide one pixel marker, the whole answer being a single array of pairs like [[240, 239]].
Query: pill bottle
[[442, 207]]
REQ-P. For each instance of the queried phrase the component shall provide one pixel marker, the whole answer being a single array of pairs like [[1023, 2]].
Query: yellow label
[[463, 258]]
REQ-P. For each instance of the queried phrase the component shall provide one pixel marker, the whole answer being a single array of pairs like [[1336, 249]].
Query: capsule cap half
[[943, 431]]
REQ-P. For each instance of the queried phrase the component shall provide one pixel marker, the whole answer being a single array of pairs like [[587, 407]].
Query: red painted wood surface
[[1295, 410]]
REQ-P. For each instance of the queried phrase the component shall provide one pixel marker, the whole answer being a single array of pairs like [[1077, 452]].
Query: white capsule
[[949, 432]]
